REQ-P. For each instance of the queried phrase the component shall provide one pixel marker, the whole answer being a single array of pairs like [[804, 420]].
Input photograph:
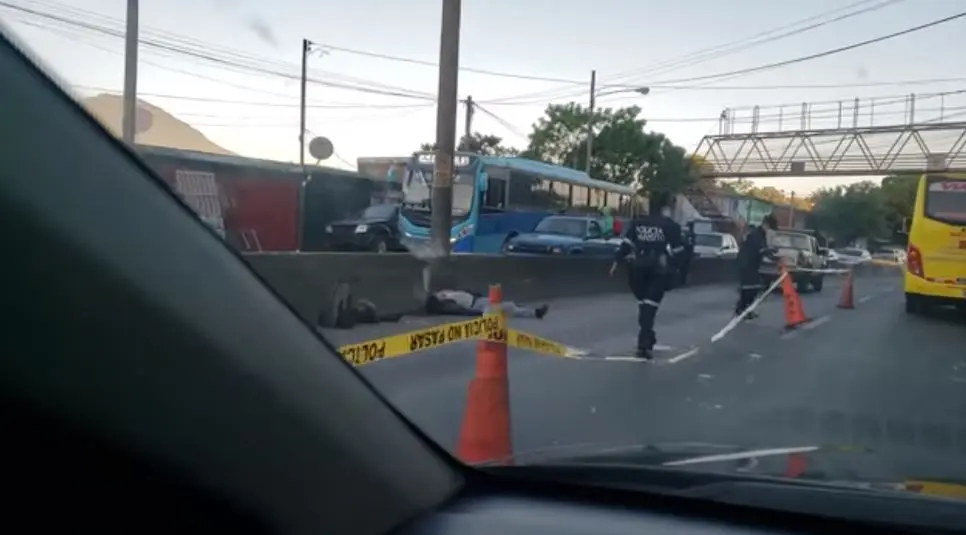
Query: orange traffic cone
[[485, 433], [797, 464], [794, 311], [846, 300]]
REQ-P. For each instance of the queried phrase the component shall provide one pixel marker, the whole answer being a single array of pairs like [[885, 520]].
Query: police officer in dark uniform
[[750, 254], [685, 261], [651, 241]]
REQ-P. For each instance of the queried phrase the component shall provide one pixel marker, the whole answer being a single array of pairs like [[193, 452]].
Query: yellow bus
[[936, 254]]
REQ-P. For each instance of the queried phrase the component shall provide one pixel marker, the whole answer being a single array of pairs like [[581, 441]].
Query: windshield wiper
[[663, 479]]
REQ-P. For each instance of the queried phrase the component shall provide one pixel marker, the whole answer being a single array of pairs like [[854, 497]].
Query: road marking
[[817, 322], [682, 356], [865, 298]]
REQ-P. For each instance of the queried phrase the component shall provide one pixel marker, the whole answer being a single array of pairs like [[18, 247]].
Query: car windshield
[[568, 226], [379, 211], [792, 241], [708, 240], [588, 344]]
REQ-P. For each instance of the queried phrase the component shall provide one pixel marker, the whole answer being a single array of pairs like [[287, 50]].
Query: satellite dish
[[320, 148]]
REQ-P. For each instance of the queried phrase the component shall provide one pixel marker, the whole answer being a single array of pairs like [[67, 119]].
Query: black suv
[[376, 229]]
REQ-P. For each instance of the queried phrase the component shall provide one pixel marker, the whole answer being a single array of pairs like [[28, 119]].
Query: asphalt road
[[871, 377]]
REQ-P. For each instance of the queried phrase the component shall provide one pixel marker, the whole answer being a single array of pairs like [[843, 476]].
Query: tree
[[623, 152], [899, 195], [480, 143], [701, 165], [850, 212]]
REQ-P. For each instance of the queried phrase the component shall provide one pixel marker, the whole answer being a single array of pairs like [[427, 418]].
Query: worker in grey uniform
[[653, 239]]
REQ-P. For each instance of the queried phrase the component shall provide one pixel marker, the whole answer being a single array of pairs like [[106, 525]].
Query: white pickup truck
[[801, 254]]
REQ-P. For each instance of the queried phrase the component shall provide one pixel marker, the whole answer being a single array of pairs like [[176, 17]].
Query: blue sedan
[[563, 235]]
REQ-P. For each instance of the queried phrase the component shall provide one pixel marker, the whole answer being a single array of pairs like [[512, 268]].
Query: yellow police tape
[[531, 342], [488, 327]]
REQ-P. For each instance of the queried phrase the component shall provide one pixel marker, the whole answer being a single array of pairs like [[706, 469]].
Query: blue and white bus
[[496, 198]]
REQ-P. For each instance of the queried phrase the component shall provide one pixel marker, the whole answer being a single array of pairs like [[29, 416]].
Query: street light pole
[[447, 107], [129, 116], [590, 119], [306, 45], [643, 90]]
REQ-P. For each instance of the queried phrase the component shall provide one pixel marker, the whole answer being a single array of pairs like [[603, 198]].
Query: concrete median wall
[[313, 282], [310, 282]]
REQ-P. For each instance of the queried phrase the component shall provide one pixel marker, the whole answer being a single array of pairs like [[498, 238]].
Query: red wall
[[268, 206], [253, 199]]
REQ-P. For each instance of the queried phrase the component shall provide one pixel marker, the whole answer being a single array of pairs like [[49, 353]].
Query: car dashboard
[[719, 509]]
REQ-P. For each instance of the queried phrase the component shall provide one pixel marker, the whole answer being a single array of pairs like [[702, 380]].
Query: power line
[[896, 83], [819, 55], [390, 57], [739, 45], [242, 63], [923, 81], [425, 63], [295, 104], [209, 48], [765, 37], [503, 122]]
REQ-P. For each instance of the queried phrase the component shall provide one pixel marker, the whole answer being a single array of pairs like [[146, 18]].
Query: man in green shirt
[[607, 222]]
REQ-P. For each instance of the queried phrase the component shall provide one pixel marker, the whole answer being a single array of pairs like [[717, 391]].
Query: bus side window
[[530, 192], [495, 195], [580, 197]]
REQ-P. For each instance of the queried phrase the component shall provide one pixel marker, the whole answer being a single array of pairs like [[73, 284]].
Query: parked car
[[715, 245], [563, 235], [853, 255], [375, 229], [895, 256], [801, 254]]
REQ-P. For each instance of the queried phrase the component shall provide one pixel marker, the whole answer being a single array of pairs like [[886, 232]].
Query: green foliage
[[479, 143], [623, 152], [865, 209], [899, 195], [850, 212]]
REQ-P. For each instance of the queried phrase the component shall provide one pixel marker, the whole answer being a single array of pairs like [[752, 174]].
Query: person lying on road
[[461, 303]]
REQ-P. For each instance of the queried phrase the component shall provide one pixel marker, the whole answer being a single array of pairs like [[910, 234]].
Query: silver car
[[715, 245]]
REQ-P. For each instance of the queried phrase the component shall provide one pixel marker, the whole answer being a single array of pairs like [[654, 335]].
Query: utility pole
[[129, 116], [468, 127], [590, 119], [447, 107], [306, 45]]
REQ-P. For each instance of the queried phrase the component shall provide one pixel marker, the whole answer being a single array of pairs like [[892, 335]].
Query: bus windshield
[[946, 200], [418, 189]]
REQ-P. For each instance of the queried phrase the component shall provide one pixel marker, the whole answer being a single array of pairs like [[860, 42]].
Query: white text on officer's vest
[[649, 234]]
